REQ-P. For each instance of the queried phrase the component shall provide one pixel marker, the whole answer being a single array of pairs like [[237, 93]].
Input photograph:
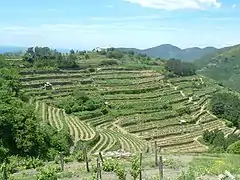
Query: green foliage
[[22, 133], [112, 165], [222, 66], [215, 165], [219, 142], [44, 56], [48, 173], [32, 163], [120, 172], [234, 148], [180, 68], [135, 168], [109, 165], [189, 175], [115, 54], [79, 102], [227, 106], [80, 156], [108, 62]]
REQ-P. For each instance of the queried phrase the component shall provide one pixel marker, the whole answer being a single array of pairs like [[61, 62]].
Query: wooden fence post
[[156, 154], [140, 175], [62, 161], [101, 157], [99, 171], [86, 159], [160, 168], [4, 171]]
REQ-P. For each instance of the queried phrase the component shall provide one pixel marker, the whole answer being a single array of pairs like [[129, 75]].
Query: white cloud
[[177, 4], [234, 6]]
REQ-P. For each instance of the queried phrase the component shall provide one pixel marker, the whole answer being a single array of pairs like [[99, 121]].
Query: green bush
[[234, 148], [189, 175], [108, 62], [135, 168], [80, 156], [32, 163], [229, 124], [48, 173], [109, 165], [120, 172]]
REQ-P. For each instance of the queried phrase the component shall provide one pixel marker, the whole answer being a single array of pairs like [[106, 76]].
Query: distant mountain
[[168, 51], [223, 66]]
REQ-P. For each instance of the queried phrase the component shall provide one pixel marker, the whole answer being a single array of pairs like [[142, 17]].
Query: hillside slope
[[167, 51], [143, 107], [222, 66]]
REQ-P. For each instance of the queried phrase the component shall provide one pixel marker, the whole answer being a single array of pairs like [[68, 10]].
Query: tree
[[180, 68], [87, 56], [115, 54], [234, 148], [21, 132], [227, 105]]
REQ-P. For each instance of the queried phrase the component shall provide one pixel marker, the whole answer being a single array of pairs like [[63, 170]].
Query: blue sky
[[85, 24]]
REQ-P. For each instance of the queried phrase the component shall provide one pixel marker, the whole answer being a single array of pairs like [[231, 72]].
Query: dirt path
[[122, 130], [182, 94]]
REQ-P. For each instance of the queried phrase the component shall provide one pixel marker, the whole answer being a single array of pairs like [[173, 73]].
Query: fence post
[[4, 171], [62, 161], [99, 170], [86, 159], [160, 168], [140, 175], [101, 157], [156, 154]]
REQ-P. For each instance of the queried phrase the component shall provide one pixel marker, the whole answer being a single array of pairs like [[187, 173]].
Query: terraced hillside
[[144, 108]]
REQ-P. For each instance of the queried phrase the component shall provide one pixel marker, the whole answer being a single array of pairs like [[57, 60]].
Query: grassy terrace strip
[[84, 131], [177, 130], [72, 129], [84, 74], [131, 144], [127, 82], [172, 99], [148, 95], [193, 147], [145, 118], [162, 123], [106, 143]]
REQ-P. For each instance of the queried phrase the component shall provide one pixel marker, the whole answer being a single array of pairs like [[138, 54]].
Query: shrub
[[189, 175], [234, 148], [48, 173], [80, 156], [109, 165], [108, 62], [135, 169], [121, 172]]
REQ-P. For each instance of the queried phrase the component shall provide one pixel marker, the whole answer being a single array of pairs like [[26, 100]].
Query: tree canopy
[[180, 68], [227, 106], [44, 56], [21, 132]]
